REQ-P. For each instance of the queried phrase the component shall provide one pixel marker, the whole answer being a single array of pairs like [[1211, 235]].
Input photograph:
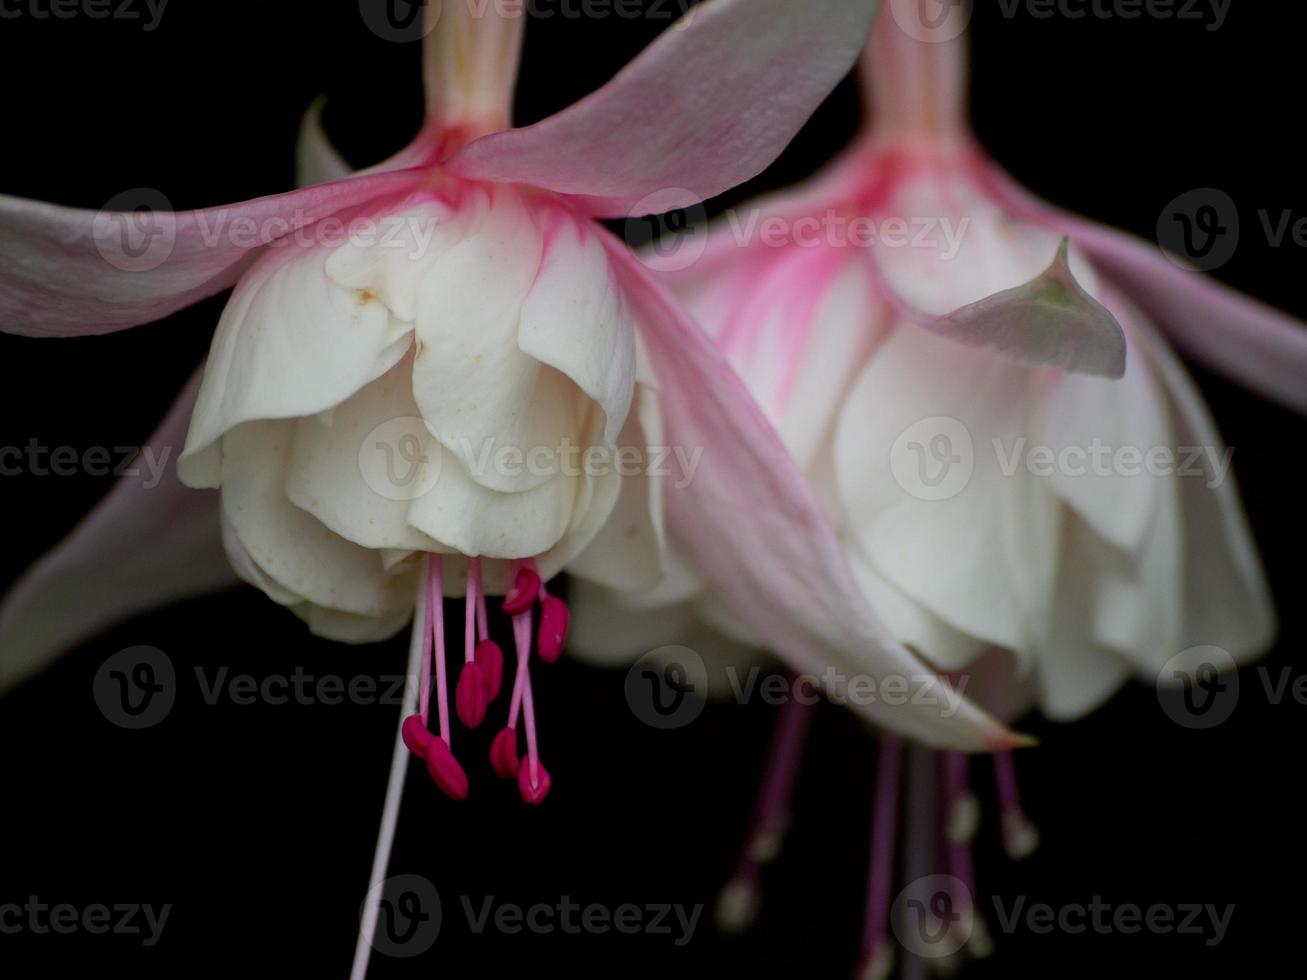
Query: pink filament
[[522, 634], [422, 635], [956, 790], [436, 606], [889, 764], [1005, 775], [771, 812], [483, 627], [470, 609]]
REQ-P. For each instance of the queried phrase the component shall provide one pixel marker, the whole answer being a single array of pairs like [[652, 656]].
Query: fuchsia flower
[[505, 317], [905, 370]]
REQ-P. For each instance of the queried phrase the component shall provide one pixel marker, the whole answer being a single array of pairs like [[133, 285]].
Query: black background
[[257, 823]]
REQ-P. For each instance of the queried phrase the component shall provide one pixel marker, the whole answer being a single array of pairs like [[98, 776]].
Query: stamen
[[491, 661], [877, 951], [445, 770], [503, 754], [554, 619], [436, 607], [522, 596], [470, 696], [532, 779], [413, 731], [962, 818], [415, 735], [486, 653], [1020, 836], [958, 799], [737, 906]]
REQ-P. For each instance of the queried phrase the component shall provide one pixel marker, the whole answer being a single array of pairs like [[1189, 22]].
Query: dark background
[[257, 823]]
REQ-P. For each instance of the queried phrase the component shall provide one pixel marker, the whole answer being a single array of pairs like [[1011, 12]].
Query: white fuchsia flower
[[481, 308], [917, 328]]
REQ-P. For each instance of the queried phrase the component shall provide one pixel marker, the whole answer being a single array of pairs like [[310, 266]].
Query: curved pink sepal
[[708, 105], [1233, 334], [143, 546], [67, 272], [753, 531]]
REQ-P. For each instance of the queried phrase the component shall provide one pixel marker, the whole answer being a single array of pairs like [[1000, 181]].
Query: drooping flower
[[1025, 482], [482, 308]]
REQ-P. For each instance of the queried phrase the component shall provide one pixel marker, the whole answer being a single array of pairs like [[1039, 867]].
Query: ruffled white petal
[[575, 319], [962, 557], [289, 546], [356, 467], [629, 552], [290, 343]]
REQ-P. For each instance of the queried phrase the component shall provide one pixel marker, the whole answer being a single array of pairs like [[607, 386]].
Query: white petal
[[478, 391], [289, 546], [399, 249], [356, 467], [1226, 599], [342, 627], [797, 331], [575, 320], [291, 342], [629, 553], [911, 623], [1082, 412], [963, 557], [1075, 673], [475, 520], [1139, 600]]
